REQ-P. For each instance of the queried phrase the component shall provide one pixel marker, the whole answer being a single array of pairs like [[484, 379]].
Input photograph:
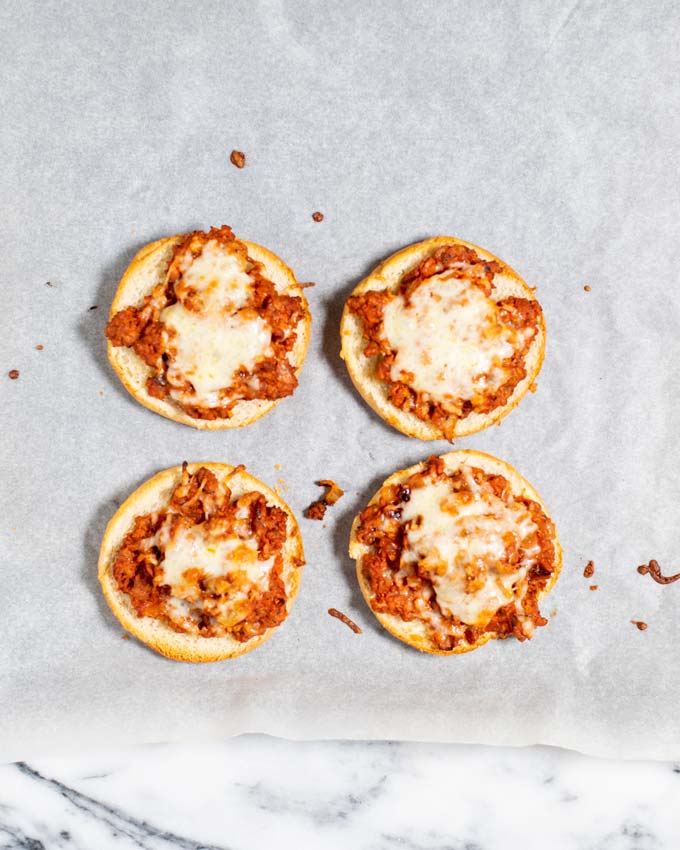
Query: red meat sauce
[[137, 568], [458, 261], [381, 530], [139, 328]]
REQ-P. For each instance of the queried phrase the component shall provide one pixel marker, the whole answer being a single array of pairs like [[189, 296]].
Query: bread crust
[[146, 270], [414, 632], [362, 369], [154, 494]]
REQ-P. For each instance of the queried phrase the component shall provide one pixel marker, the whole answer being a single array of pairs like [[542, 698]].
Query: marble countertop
[[258, 792]]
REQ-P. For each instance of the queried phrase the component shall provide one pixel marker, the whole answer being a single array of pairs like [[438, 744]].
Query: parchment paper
[[544, 132]]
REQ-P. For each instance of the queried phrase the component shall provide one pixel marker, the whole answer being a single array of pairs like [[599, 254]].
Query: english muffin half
[[202, 562], [442, 339], [456, 551], [208, 330]]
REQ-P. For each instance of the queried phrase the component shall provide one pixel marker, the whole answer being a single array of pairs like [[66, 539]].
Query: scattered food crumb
[[93, 307], [594, 587], [282, 483], [317, 510], [642, 626], [277, 466], [38, 348], [307, 285], [586, 288], [344, 619], [14, 374], [589, 569], [126, 636], [553, 613], [325, 525], [102, 393], [533, 387], [238, 158], [317, 216], [654, 570], [49, 283]]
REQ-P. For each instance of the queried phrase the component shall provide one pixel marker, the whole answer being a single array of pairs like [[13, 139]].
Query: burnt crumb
[[14, 374], [642, 626], [317, 216], [593, 587], [654, 570], [125, 636], [50, 284], [39, 348], [589, 569], [306, 285], [93, 307], [586, 288], [344, 619], [238, 158]]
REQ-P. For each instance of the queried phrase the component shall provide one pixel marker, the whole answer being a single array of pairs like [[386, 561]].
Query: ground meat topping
[[444, 373], [215, 331], [317, 510], [474, 563], [209, 564]]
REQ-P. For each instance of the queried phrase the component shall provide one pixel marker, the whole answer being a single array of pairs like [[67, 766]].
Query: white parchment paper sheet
[[546, 132]]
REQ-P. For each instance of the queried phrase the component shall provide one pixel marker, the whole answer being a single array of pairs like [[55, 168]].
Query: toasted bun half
[[415, 632], [146, 271], [154, 495], [362, 369]]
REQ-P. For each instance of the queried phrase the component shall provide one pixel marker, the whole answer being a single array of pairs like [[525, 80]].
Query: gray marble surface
[[256, 792]]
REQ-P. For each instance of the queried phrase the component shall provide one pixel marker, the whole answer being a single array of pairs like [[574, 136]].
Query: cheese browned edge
[[147, 270], [153, 495], [388, 275], [416, 632]]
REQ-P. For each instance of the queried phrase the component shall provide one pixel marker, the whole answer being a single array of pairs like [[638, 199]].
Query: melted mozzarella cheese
[[448, 339], [194, 548], [449, 533], [211, 337], [211, 348], [218, 277]]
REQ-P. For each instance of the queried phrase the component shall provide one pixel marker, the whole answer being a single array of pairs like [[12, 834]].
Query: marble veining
[[258, 792]]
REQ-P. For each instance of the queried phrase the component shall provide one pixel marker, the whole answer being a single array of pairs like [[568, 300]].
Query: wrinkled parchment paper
[[545, 132]]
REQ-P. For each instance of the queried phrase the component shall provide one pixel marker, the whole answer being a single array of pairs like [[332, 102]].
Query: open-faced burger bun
[[164, 374], [415, 570], [195, 497], [440, 378]]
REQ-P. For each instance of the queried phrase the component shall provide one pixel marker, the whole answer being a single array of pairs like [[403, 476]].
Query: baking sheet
[[544, 132]]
